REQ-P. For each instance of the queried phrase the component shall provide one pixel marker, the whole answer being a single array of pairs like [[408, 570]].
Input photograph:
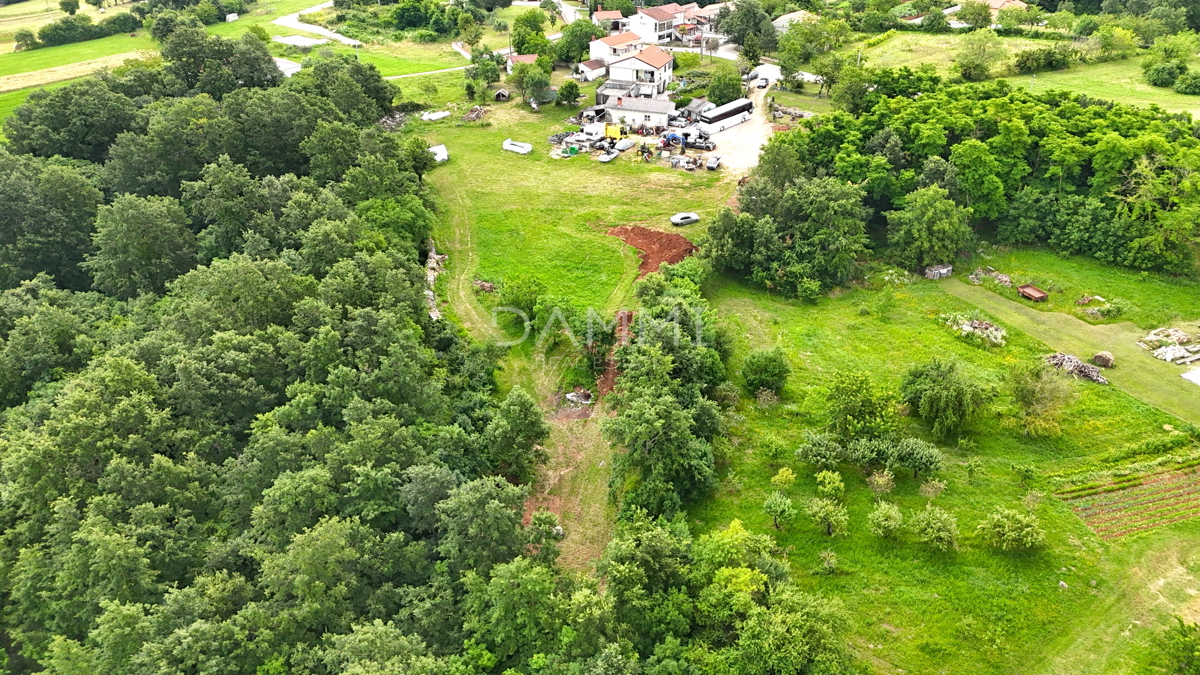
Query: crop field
[[1137, 503]]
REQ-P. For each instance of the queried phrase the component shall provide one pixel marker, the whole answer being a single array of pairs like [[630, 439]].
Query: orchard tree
[[141, 244], [930, 229], [979, 50], [830, 485], [935, 527], [859, 408], [568, 93], [917, 455], [944, 396], [885, 520], [780, 508], [977, 15], [881, 483], [828, 515], [1008, 529], [821, 450]]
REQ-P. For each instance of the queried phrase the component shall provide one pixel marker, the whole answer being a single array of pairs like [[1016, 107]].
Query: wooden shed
[[1033, 292], [938, 271], [501, 95]]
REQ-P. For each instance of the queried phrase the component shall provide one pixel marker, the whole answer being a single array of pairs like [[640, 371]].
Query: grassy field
[[34, 14], [1119, 81], [914, 49], [50, 57], [975, 610]]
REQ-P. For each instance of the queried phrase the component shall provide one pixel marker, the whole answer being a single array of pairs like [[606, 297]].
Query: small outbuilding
[[938, 271], [1032, 292], [501, 95]]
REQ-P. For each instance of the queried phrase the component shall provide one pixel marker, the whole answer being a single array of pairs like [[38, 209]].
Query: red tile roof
[[620, 39], [608, 15], [651, 56], [594, 64], [522, 58], [658, 13]]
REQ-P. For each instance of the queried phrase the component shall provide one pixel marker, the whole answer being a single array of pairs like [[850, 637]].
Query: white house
[[650, 112], [610, 20], [614, 47], [592, 70], [657, 25], [650, 70], [514, 59], [783, 22]]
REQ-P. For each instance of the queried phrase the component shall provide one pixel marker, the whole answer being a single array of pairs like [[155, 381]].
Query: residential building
[[650, 69], [656, 25], [610, 20], [513, 59], [783, 22], [638, 112], [614, 47], [592, 70]]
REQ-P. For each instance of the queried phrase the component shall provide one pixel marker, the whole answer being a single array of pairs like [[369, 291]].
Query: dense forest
[[235, 441], [930, 167]]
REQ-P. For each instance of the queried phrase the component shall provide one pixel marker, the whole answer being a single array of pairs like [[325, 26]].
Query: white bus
[[729, 115]]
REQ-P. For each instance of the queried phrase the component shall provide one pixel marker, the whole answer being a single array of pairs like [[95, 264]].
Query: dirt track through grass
[[1137, 373], [68, 72]]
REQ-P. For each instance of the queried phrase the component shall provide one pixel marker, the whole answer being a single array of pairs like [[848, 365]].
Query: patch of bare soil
[[656, 247], [67, 72]]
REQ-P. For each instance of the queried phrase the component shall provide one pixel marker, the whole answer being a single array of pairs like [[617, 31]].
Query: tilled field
[[1135, 503]]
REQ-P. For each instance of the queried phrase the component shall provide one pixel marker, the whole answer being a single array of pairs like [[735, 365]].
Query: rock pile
[[475, 114], [977, 276], [392, 121], [1074, 366], [485, 286]]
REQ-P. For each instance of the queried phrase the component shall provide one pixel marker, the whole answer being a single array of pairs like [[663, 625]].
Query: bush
[[1180, 646], [936, 527], [885, 520], [1007, 529], [79, 28], [1165, 74], [424, 35], [820, 450], [1188, 83], [858, 408], [26, 39], [830, 485], [1046, 58], [942, 395], [829, 515], [568, 93], [766, 369]]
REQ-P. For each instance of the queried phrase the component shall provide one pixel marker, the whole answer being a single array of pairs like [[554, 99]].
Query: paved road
[[293, 21]]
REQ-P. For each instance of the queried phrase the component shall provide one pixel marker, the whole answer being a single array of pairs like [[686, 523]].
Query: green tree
[[1180, 645], [417, 156], [332, 148], [751, 51], [141, 244], [979, 50], [859, 408], [517, 613], [885, 520], [828, 515], [917, 455], [529, 80], [1007, 529], [80, 120], [821, 450], [977, 15], [930, 228], [766, 369], [515, 435], [69, 6], [794, 633], [576, 38], [568, 93], [725, 85], [935, 22], [976, 170], [830, 485], [780, 508], [944, 396], [935, 527], [1040, 392], [480, 524]]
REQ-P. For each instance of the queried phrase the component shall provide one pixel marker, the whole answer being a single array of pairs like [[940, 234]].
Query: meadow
[[976, 609]]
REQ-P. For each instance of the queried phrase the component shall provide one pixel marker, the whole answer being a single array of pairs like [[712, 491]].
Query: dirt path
[[67, 72], [1137, 373], [461, 265], [293, 21], [740, 146]]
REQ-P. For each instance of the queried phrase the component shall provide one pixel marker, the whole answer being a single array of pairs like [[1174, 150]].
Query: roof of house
[[522, 58], [608, 15], [791, 17], [620, 39], [641, 105], [663, 13], [1006, 4], [651, 56], [594, 64], [711, 10]]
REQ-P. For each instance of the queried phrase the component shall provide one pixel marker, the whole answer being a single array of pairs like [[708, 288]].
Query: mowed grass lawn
[[976, 610], [49, 57], [546, 218], [1119, 81]]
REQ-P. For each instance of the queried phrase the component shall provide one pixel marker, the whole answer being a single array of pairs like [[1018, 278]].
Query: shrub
[[424, 35], [1166, 73], [780, 508], [941, 394], [1188, 83], [881, 482], [935, 527], [522, 293], [1045, 58], [820, 450], [1007, 529], [829, 515], [858, 408], [885, 520], [568, 93], [26, 39], [1180, 646], [918, 455], [1040, 392], [766, 369], [830, 485], [827, 563]]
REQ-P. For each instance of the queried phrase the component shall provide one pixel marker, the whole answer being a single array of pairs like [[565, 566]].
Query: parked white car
[[684, 219]]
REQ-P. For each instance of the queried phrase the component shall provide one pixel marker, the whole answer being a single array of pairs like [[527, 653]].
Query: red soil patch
[[608, 379], [656, 247]]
